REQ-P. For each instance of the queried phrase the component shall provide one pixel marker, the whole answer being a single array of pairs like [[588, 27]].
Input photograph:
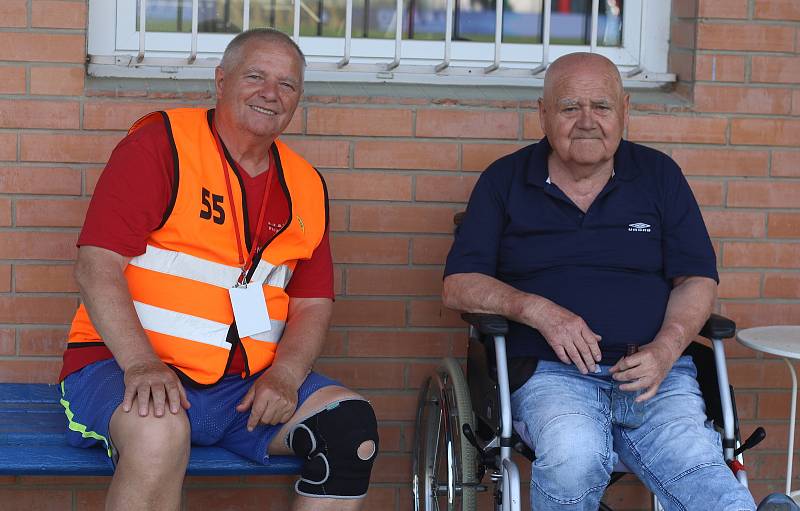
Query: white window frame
[[115, 49]]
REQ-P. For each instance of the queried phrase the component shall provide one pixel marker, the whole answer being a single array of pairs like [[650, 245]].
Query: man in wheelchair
[[594, 247]]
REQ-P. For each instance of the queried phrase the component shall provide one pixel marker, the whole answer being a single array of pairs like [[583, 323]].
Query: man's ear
[[219, 76], [542, 109]]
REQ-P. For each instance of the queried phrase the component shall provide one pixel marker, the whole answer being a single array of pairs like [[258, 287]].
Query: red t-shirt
[[130, 200]]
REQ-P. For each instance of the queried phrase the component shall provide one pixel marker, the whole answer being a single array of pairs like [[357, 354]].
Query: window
[[435, 41]]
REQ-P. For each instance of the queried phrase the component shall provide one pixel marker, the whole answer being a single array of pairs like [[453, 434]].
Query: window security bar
[[409, 63]]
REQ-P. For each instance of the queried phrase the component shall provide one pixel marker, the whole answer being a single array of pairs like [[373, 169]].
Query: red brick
[[445, 188], [785, 163], [5, 212], [783, 225], [12, 79], [681, 62], [42, 47], [723, 9], [665, 128], [467, 123], [371, 122], [394, 406], [322, 153], [58, 14], [406, 155], [745, 37], [39, 114], [8, 146], [39, 245], [719, 68], [41, 499], [739, 285], [368, 185], [683, 33], [761, 374], [44, 278], [477, 157], [401, 218], [764, 255], [390, 313], [48, 147], [531, 128], [118, 115], [391, 468], [91, 176], [772, 69], [684, 8], [430, 250], [242, 499], [13, 14], [51, 212], [774, 405], [796, 95], [749, 314], [334, 344], [765, 131], [394, 281], [745, 100], [783, 285], [57, 80], [783, 10], [763, 194], [39, 309], [721, 162], [5, 278], [339, 214], [419, 372], [707, 193], [412, 344], [369, 249], [735, 224], [8, 344], [42, 341], [50, 181], [363, 375], [433, 313]]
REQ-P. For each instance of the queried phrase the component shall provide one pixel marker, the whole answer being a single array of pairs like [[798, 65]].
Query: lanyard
[[245, 263]]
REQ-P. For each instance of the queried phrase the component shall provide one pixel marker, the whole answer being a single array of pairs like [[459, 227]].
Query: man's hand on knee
[[152, 379], [568, 334], [272, 399]]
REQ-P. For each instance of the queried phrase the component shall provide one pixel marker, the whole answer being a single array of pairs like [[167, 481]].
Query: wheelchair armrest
[[487, 324], [718, 327]]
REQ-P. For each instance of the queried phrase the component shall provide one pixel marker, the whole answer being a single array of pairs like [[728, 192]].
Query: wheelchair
[[464, 429]]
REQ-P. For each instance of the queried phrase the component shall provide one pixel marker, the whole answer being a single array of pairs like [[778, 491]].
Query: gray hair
[[233, 51]]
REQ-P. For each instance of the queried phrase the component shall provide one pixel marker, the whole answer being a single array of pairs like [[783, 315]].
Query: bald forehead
[[576, 68]]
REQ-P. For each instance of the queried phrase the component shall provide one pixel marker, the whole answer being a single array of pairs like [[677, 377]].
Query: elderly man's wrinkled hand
[[570, 337], [644, 370], [152, 379], [272, 399]]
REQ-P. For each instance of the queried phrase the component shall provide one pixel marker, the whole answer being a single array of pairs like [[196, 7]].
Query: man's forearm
[[105, 294], [475, 292], [304, 336], [689, 306]]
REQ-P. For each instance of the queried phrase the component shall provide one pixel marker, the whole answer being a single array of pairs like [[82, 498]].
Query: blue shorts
[[90, 397]]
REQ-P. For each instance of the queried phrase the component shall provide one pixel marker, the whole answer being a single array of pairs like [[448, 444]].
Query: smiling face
[[258, 92], [584, 109]]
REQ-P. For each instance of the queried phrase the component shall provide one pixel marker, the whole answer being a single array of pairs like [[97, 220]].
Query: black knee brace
[[329, 442]]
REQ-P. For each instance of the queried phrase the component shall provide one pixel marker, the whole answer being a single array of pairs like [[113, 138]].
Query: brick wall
[[397, 170]]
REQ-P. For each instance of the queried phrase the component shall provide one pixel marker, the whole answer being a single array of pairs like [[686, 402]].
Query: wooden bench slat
[[33, 442]]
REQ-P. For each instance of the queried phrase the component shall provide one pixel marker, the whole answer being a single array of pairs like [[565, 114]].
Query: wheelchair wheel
[[444, 463]]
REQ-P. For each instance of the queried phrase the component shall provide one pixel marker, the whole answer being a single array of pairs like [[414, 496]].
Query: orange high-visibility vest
[[180, 284]]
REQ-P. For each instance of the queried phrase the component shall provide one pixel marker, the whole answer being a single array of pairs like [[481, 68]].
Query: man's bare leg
[[315, 403], [153, 454]]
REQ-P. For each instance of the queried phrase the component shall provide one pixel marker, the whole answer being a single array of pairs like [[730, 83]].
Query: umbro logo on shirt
[[639, 227]]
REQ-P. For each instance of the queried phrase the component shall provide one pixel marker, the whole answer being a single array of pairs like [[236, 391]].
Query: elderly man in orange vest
[[205, 271]]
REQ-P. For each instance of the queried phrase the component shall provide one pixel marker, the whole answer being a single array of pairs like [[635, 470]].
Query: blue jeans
[[567, 419]]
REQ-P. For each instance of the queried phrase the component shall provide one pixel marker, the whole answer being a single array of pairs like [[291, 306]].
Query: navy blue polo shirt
[[613, 266]]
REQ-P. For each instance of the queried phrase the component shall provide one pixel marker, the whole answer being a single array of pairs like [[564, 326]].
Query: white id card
[[250, 310]]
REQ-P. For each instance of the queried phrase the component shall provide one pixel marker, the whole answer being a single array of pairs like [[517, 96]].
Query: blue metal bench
[[33, 442]]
